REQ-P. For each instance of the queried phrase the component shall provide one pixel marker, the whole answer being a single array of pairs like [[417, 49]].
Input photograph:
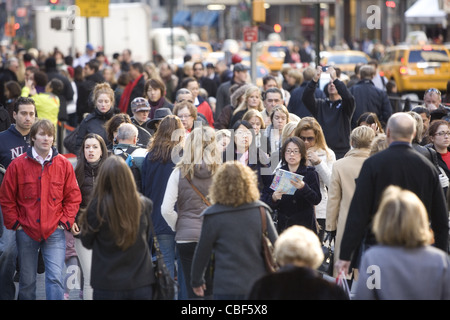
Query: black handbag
[[327, 265], [165, 286]]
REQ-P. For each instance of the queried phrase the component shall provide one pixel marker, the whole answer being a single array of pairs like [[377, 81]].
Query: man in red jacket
[[40, 198]]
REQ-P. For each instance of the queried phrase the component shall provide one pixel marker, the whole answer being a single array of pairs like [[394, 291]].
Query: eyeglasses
[[443, 133], [198, 69], [180, 101], [184, 116], [295, 152], [309, 139], [433, 90]]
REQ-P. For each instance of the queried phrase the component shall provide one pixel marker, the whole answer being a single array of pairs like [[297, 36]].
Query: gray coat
[[404, 274], [235, 235]]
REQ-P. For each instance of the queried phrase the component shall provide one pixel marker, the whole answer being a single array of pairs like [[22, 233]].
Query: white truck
[[128, 26]]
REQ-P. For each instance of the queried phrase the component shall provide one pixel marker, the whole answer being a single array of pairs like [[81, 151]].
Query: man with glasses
[[334, 113], [206, 83]]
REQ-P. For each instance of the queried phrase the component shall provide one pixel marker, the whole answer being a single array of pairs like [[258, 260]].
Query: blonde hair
[[234, 185], [288, 131], [401, 219], [243, 105], [105, 88], [254, 113], [310, 123], [379, 143], [361, 137], [200, 148], [299, 246]]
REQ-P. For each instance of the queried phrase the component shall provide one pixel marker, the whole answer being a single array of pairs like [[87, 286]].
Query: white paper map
[[282, 181]]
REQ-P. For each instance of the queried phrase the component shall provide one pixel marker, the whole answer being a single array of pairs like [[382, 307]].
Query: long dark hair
[[81, 160]]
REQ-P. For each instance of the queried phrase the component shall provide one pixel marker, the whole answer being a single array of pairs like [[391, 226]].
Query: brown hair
[[45, 125], [117, 202], [155, 84], [234, 184], [162, 143]]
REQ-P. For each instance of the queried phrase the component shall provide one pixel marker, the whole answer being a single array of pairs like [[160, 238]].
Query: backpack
[[133, 167]]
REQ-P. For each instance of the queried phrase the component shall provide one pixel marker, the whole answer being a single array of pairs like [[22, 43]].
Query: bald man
[[398, 165]]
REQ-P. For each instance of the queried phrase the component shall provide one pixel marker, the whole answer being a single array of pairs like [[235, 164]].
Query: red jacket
[[38, 198]]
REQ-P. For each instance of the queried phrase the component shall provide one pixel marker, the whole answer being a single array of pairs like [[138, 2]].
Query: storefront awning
[[425, 12], [205, 18], [181, 18]]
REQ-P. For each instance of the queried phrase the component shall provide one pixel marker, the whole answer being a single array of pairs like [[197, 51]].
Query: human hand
[[199, 291], [298, 183], [332, 73], [277, 195], [75, 229], [316, 77], [342, 265], [313, 157]]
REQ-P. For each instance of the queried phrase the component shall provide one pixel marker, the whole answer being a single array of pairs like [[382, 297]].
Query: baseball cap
[[139, 104], [240, 67], [89, 46]]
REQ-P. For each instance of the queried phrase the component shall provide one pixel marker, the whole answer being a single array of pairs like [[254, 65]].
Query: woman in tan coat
[[342, 184]]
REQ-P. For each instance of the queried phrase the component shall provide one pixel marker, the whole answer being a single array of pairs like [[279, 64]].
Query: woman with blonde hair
[[403, 265], [255, 118], [103, 99], [186, 194], [163, 153], [252, 100], [299, 253], [321, 158], [288, 130], [115, 225], [232, 230], [343, 182]]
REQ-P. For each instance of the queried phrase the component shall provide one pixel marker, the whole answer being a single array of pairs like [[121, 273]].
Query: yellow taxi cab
[[346, 60], [205, 48], [272, 54], [416, 68]]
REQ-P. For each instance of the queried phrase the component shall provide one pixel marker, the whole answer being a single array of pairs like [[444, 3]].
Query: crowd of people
[[194, 155]]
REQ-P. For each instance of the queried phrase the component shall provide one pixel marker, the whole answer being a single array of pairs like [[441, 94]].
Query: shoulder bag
[[164, 286], [267, 247], [198, 192]]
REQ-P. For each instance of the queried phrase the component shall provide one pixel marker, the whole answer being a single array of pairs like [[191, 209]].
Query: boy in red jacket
[[40, 198]]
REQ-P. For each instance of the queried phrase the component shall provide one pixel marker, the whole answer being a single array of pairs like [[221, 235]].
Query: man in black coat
[[398, 165], [369, 98], [333, 113], [8, 73], [296, 105], [206, 83]]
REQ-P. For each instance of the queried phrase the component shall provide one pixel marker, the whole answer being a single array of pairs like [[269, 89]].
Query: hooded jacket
[[38, 197]]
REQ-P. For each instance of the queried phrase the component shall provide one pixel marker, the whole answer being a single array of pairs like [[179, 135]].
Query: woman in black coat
[[298, 208]]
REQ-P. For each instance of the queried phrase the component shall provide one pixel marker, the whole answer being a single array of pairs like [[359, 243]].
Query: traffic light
[[390, 4], [259, 11], [53, 2], [277, 28]]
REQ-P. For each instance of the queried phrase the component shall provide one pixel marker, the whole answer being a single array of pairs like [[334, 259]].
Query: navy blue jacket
[[155, 175], [12, 145]]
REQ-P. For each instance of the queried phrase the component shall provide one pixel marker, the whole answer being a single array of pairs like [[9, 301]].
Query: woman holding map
[[297, 206]]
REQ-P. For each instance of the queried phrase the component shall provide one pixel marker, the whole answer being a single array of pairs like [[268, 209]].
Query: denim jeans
[[170, 253], [53, 252], [8, 256], [142, 293]]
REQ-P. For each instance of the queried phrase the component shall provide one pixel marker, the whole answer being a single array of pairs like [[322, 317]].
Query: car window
[[388, 57], [428, 56], [276, 51], [344, 59]]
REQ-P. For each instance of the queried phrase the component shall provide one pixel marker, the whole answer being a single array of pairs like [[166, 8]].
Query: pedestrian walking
[[41, 210], [115, 226]]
